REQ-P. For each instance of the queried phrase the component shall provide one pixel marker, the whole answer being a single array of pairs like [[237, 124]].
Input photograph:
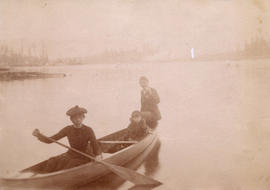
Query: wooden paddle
[[125, 173]]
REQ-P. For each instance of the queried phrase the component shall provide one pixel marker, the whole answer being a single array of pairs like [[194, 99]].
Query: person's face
[[77, 119], [144, 83], [136, 118]]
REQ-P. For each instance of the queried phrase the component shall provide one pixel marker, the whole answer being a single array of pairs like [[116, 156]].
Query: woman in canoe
[[79, 136], [149, 103]]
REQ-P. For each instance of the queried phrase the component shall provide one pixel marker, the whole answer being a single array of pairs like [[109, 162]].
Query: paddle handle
[[70, 148]]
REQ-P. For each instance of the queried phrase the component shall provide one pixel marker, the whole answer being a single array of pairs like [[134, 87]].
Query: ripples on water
[[215, 128]]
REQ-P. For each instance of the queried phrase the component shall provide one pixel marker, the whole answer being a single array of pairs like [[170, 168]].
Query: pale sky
[[83, 27]]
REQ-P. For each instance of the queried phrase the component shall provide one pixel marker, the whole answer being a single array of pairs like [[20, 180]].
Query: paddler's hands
[[99, 157], [149, 131], [147, 92], [36, 132]]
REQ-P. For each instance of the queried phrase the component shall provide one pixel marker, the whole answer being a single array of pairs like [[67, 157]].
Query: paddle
[[125, 173]]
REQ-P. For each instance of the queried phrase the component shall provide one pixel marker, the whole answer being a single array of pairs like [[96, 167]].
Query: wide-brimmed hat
[[76, 110]]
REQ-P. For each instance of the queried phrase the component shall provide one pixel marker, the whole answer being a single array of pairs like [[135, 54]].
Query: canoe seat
[[114, 142]]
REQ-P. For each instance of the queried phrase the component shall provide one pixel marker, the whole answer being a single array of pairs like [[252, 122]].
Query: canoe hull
[[85, 173]]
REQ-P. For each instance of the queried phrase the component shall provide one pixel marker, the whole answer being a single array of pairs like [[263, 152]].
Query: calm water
[[215, 131]]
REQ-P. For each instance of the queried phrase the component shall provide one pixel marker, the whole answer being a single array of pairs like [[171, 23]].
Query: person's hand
[[149, 131], [36, 132], [148, 90], [99, 157]]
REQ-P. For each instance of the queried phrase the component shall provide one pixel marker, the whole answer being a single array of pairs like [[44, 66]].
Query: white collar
[[77, 127]]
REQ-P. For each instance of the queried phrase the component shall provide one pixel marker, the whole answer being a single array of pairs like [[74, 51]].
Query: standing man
[[149, 103]]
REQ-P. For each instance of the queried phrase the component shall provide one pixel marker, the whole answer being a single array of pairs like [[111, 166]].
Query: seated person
[[137, 129], [79, 136]]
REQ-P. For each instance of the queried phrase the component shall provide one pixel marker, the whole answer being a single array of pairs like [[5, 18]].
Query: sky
[[82, 28]]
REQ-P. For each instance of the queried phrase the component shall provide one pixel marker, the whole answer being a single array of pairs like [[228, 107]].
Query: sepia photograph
[[134, 94]]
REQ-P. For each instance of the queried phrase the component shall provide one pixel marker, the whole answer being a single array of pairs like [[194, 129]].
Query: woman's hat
[[76, 110], [136, 113]]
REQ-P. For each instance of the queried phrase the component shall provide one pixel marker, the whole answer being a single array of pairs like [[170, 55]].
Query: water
[[214, 132]]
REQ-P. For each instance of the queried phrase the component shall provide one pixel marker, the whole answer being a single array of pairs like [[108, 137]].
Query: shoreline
[[9, 75], [196, 59]]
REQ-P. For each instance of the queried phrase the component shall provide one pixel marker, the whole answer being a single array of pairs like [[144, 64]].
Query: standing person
[[79, 136], [149, 103]]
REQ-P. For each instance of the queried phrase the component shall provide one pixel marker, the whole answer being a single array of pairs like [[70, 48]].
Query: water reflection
[[150, 160], [151, 163], [221, 118]]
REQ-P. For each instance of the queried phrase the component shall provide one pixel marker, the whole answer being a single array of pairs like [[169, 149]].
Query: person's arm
[[152, 96], [155, 96], [141, 101], [145, 127], [129, 134], [57, 136], [94, 142]]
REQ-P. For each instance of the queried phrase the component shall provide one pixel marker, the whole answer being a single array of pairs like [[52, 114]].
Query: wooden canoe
[[115, 153]]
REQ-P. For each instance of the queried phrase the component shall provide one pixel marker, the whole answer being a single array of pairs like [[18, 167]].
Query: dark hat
[[136, 113], [76, 110]]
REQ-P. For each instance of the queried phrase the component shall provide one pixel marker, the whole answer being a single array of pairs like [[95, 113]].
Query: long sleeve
[[137, 130], [155, 96], [94, 143], [130, 130], [141, 101], [144, 127], [57, 136]]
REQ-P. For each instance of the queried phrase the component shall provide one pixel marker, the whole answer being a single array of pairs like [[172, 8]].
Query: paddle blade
[[133, 176]]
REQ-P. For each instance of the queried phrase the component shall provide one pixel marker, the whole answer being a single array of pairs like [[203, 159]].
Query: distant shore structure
[[192, 53]]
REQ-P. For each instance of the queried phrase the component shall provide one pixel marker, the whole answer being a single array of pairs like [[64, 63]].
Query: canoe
[[115, 153]]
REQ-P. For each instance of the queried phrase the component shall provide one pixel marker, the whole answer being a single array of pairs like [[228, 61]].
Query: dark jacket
[[137, 130], [78, 138], [149, 103]]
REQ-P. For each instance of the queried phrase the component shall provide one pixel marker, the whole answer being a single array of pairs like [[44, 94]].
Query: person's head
[[77, 119], [136, 116], [76, 115], [144, 82]]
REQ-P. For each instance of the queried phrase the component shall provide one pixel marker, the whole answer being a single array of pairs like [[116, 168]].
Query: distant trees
[[257, 47], [11, 57], [35, 56], [118, 56]]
